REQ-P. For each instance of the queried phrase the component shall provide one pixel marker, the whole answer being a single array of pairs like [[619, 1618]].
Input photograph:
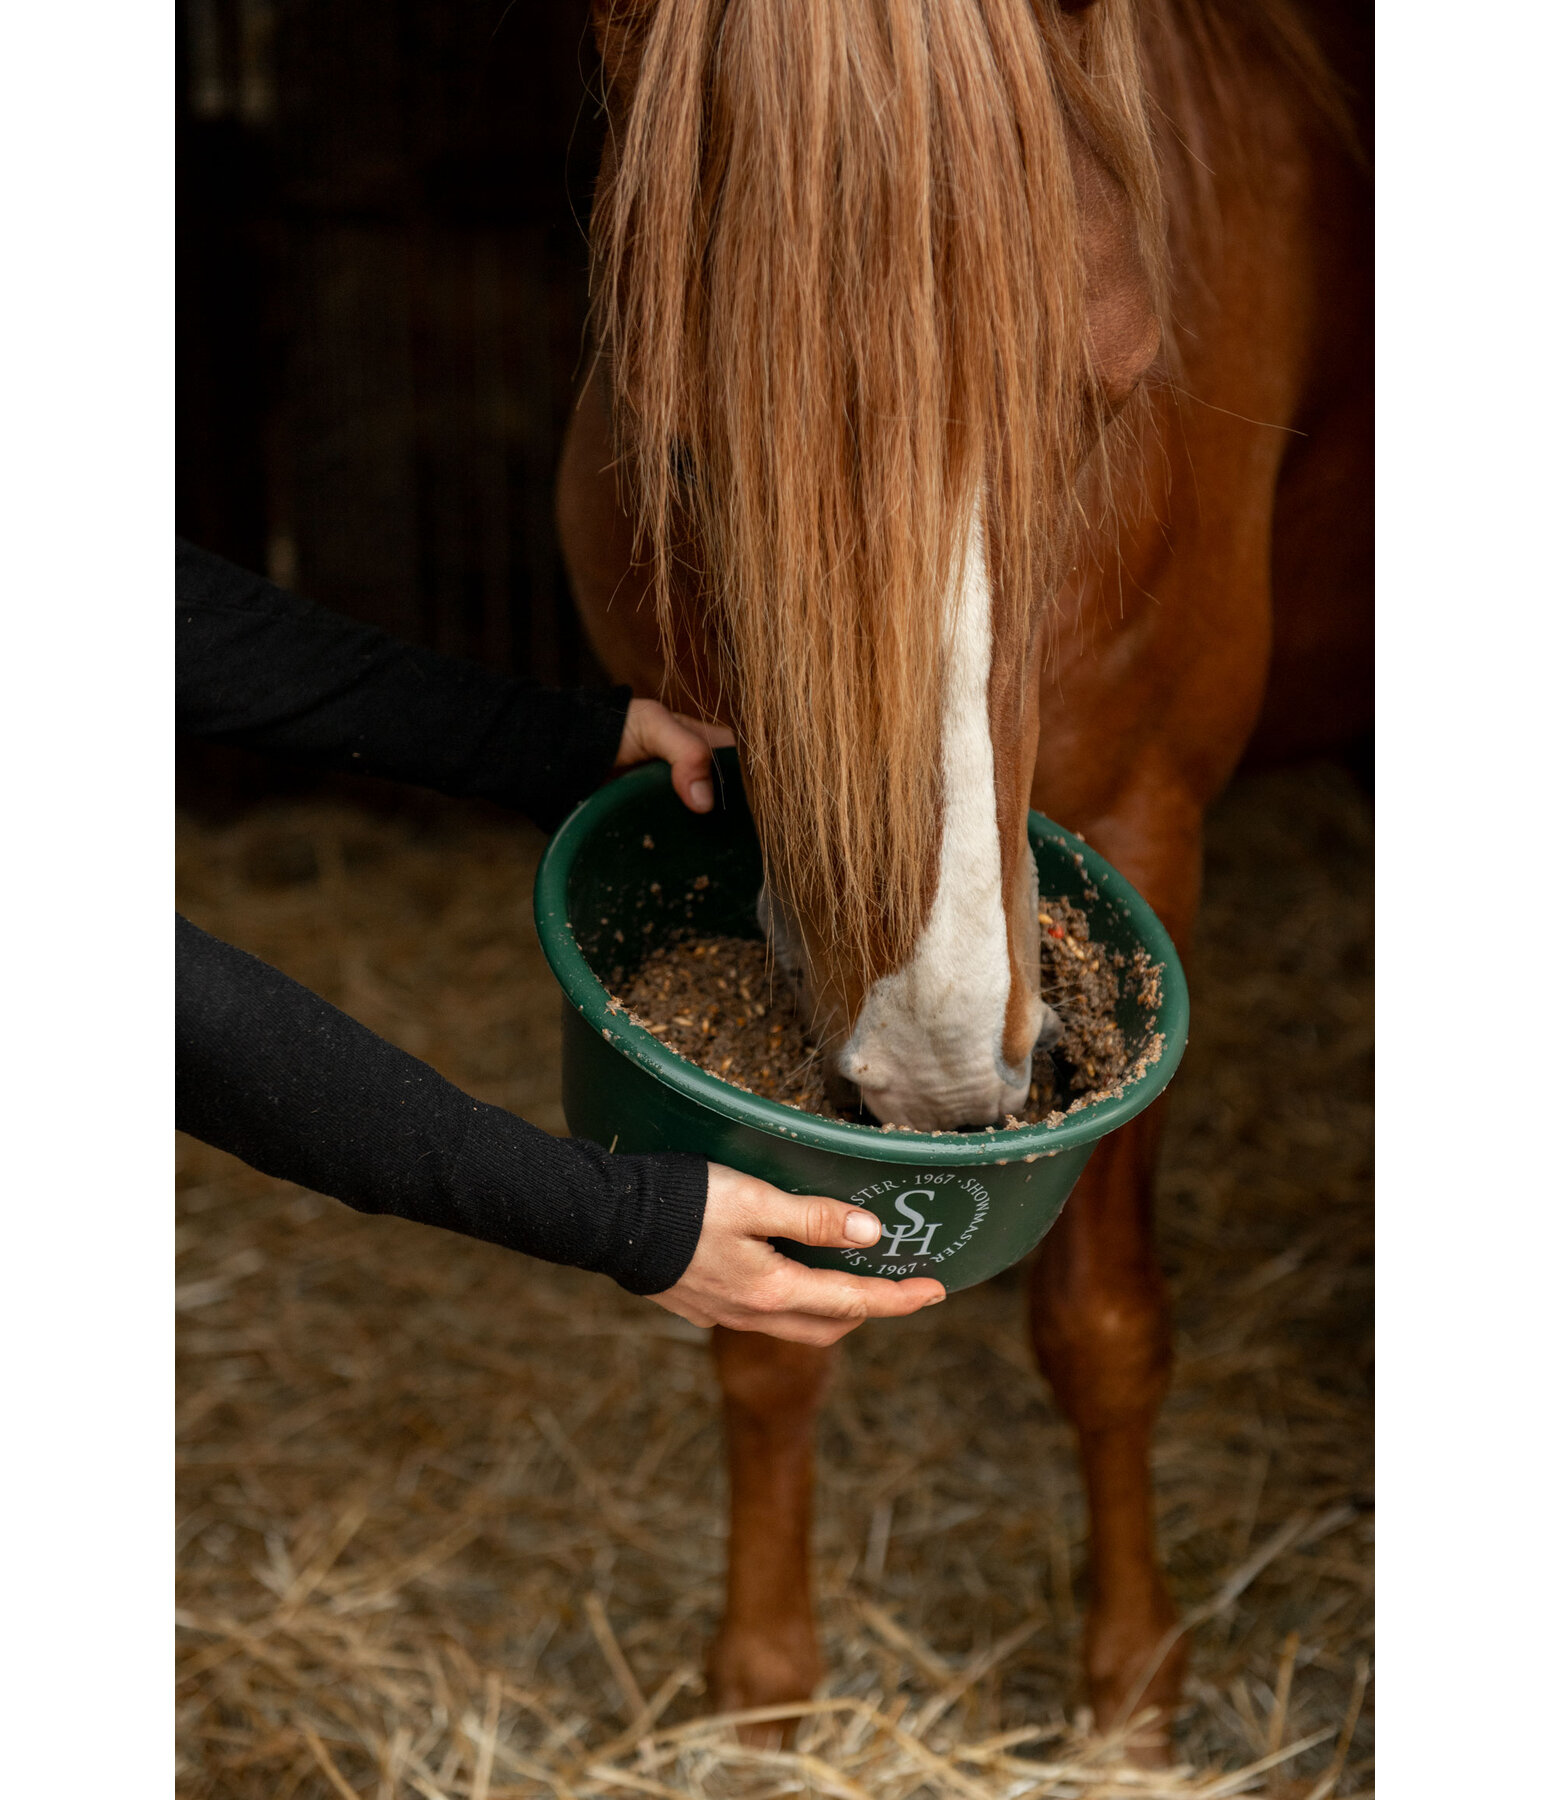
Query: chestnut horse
[[969, 375]]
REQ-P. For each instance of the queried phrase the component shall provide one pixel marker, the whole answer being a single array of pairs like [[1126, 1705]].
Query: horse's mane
[[815, 373]]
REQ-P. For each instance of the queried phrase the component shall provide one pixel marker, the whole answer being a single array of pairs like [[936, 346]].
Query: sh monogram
[[919, 1222]]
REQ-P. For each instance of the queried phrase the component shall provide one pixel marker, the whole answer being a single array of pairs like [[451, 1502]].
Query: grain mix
[[721, 1003]]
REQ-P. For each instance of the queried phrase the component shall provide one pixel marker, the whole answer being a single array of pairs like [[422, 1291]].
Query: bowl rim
[[949, 1149]]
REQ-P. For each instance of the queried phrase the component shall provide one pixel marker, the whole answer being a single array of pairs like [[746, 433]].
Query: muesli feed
[[720, 1002]]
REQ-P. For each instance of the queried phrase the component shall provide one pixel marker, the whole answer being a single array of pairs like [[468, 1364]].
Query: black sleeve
[[262, 668], [295, 1087]]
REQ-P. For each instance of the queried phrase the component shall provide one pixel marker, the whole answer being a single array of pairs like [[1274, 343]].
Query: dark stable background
[[382, 294], [381, 307]]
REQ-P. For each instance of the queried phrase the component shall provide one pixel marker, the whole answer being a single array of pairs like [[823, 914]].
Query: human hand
[[650, 730], [737, 1278]]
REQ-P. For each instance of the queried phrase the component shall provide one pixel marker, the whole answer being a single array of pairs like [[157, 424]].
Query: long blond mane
[[839, 287]]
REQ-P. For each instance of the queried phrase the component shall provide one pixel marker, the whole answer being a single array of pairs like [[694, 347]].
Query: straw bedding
[[452, 1521]]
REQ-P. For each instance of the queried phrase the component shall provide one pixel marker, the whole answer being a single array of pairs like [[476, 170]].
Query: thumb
[[691, 760], [825, 1224]]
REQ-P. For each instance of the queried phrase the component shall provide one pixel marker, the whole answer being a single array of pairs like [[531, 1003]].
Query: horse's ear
[[617, 28]]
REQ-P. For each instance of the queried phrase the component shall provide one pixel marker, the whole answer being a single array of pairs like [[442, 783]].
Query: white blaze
[[926, 1050]]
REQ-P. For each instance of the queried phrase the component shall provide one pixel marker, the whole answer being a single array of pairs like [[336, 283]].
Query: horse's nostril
[[1051, 1031]]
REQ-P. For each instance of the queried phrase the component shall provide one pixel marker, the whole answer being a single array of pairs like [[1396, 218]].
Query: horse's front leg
[[767, 1649], [1099, 1316], [1100, 1327]]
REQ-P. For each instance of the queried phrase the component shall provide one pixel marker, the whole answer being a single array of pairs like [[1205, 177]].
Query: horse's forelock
[[839, 279]]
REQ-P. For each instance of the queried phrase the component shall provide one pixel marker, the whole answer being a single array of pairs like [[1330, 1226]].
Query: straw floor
[[452, 1521]]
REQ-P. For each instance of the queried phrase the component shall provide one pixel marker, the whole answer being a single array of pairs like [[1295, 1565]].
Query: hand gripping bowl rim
[[582, 988]]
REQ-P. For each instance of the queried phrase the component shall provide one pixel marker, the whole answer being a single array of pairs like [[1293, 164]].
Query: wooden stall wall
[[382, 298]]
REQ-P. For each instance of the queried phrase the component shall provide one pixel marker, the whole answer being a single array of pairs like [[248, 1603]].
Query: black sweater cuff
[[636, 1218], [547, 749]]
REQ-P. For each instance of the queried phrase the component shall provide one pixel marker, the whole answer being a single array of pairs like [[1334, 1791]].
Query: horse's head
[[871, 275]]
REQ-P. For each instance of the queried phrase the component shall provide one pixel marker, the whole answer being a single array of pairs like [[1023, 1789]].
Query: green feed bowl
[[632, 866]]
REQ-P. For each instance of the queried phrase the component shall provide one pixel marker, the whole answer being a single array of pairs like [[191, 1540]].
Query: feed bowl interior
[[632, 868]]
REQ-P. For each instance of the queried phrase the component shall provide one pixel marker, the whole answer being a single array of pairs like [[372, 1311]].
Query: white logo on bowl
[[910, 1243]]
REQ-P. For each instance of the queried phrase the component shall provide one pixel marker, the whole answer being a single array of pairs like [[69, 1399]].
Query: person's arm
[[263, 668], [272, 1073]]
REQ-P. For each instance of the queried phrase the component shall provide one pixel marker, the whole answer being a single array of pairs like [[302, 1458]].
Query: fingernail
[[936, 1300], [862, 1228], [699, 793]]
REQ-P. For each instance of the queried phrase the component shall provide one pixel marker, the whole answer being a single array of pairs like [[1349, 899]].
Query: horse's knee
[[767, 1377], [1105, 1347]]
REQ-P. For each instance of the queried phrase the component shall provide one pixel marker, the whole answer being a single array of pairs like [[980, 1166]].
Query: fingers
[[684, 743], [719, 737], [798, 1328], [811, 1219], [832, 1305], [691, 776], [795, 1327], [787, 1289], [738, 1278], [831, 1294]]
